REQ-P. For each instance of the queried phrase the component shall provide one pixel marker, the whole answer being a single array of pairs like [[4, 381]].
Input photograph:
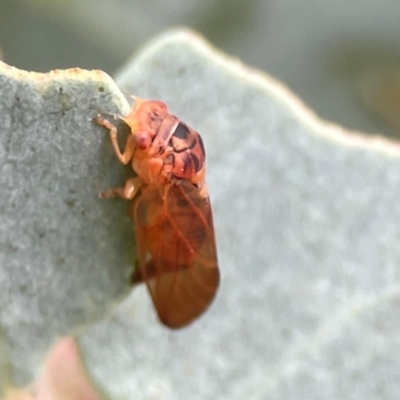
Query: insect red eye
[[142, 140]]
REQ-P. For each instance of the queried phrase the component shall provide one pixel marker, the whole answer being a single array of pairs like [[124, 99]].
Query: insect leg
[[128, 192], [137, 275], [127, 155]]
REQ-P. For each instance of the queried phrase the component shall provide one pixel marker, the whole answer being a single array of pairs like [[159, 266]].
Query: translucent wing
[[177, 254]]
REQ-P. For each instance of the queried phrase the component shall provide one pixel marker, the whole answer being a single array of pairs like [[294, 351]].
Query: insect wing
[[177, 252]]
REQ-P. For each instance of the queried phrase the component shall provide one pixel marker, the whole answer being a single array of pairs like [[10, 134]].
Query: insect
[[171, 210]]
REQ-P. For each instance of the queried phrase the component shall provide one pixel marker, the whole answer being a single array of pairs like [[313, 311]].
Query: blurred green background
[[341, 57]]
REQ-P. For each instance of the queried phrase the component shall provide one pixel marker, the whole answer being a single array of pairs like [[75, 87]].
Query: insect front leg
[[168, 163], [128, 192], [127, 155]]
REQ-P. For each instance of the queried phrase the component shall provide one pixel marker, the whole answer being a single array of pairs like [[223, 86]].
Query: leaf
[[64, 252], [307, 229]]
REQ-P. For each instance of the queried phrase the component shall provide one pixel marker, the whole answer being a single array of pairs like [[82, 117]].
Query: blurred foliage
[[322, 51]]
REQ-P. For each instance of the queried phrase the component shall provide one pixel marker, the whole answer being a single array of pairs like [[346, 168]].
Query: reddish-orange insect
[[171, 211]]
